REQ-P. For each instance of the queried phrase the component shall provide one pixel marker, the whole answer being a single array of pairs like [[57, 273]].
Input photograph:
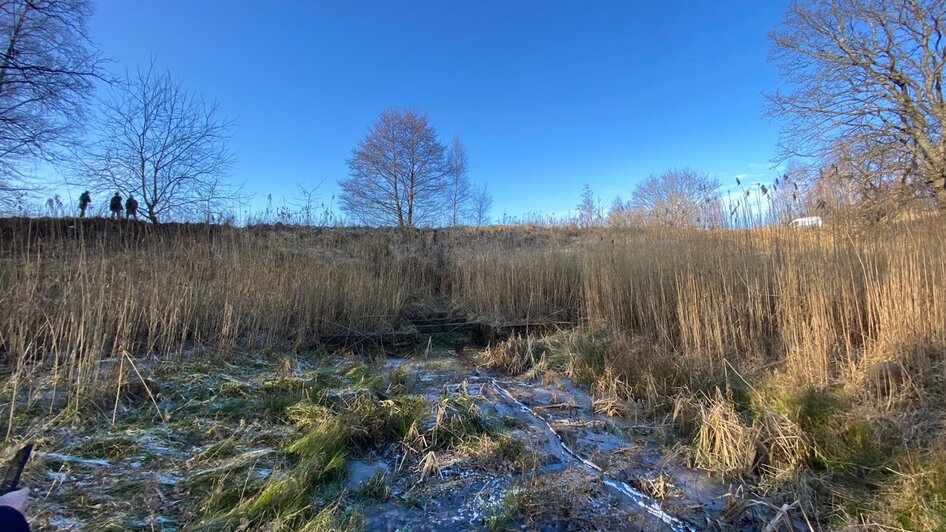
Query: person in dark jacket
[[84, 200], [12, 506], [116, 206], [131, 208]]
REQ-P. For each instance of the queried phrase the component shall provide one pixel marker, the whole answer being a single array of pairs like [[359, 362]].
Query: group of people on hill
[[115, 206]]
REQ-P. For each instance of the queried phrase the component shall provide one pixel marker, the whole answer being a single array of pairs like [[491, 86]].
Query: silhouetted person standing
[[116, 206], [84, 200], [131, 208]]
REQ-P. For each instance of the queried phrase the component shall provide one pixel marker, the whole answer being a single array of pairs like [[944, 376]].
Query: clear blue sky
[[547, 96]]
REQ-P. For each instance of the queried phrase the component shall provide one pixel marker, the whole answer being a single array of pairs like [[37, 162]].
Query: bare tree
[[398, 173], [47, 69], [867, 180], [588, 213], [676, 198], [458, 184], [482, 203], [619, 214], [306, 202], [165, 145], [866, 71]]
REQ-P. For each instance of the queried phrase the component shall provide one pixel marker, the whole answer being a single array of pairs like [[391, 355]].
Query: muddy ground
[[531, 453]]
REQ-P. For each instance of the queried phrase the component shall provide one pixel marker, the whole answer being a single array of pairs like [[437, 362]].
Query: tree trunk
[[939, 191]]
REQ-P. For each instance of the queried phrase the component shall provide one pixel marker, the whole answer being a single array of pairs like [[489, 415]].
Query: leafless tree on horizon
[[619, 213], [589, 215], [306, 202], [165, 145], [675, 198], [482, 203], [458, 183], [398, 174]]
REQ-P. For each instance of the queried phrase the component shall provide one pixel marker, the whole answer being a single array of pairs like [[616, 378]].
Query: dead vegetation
[[241, 445], [810, 363]]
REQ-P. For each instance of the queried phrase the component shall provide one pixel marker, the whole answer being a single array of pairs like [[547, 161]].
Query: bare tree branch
[[866, 72], [48, 66]]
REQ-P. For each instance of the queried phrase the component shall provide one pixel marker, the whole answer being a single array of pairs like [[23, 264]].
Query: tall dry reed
[[94, 292], [818, 304]]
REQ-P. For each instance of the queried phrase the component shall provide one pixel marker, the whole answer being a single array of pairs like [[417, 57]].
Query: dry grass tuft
[[611, 396], [514, 355], [724, 443], [428, 465], [787, 448]]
